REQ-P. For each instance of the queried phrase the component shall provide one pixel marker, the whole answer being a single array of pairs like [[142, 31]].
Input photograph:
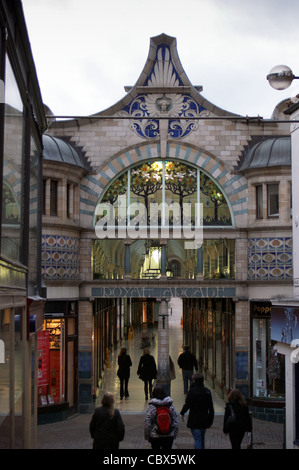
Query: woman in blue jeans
[[201, 410]]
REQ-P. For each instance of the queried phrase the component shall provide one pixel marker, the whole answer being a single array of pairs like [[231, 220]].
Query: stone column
[[163, 244], [127, 260], [61, 199], [199, 275], [242, 346], [163, 378], [85, 379]]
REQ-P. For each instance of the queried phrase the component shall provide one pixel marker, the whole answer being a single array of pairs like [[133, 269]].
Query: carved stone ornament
[[146, 108]]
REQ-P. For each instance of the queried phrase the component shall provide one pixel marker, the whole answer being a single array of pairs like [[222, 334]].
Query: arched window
[[179, 186]]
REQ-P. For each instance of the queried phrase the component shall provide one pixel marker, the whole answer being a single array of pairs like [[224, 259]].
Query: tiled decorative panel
[[60, 257], [270, 258]]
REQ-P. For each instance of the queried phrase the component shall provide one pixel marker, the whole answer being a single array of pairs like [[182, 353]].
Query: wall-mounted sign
[[161, 292]]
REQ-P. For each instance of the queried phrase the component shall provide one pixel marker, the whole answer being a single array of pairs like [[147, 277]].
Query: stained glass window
[[179, 186]]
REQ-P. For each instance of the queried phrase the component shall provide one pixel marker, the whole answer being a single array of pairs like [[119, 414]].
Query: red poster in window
[[43, 358], [54, 376]]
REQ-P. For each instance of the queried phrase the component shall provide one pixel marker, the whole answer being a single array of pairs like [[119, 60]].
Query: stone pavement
[[74, 434]]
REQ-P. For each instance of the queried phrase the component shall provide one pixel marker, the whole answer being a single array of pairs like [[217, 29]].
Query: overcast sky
[[86, 51]]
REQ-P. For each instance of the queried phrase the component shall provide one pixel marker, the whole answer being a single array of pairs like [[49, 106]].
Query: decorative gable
[[164, 94]]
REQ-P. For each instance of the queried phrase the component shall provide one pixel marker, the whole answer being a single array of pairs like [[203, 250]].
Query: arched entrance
[[140, 272]]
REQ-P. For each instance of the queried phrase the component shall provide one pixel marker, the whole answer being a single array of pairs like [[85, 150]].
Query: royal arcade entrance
[[166, 196], [150, 224]]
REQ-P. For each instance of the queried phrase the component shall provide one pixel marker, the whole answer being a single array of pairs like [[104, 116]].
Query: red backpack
[[163, 419]]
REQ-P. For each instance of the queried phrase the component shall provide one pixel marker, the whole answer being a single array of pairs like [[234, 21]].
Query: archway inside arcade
[[189, 322]]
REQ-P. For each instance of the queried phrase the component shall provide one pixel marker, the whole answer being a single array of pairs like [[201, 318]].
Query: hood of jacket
[[167, 401]]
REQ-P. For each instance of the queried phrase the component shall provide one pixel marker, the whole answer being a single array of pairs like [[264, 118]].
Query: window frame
[[272, 204]]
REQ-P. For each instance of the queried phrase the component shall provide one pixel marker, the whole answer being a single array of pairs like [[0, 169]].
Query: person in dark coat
[[242, 424], [124, 364], [201, 410], [106, 427], [187, 362], [147, 371]]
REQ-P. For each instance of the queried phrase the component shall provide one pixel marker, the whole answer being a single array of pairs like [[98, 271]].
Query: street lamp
[[280, 77]]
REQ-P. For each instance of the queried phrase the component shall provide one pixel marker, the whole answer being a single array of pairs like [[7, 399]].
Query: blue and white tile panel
[[270, 258], [60, 257]]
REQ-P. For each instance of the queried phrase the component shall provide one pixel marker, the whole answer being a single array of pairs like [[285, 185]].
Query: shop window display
[[268, 364], [51, 359]]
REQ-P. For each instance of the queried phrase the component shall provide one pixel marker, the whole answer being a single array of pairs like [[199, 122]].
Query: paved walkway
[[74, 432]]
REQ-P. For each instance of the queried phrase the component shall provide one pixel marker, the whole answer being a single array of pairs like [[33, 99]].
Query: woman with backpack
[[161, 420], [147, 371]]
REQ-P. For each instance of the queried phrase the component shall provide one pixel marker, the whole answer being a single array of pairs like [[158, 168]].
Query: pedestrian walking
[[171, 369], [201, 410], [147, 371], [237, 420], [106, 427], [161, 420], [187, 362], [123, 373]]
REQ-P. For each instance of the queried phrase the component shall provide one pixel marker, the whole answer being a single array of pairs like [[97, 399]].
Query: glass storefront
[[209, 330], [11, 379], [5, 375], [12, 169], [58, 355], [268, 366], [110, 323]]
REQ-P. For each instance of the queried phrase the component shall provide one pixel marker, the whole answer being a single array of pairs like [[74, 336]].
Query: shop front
[[285, 334], [209, 331], [57, 362], [267, 366]]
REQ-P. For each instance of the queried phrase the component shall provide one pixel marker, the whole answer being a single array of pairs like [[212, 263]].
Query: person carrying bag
[[106, 427]]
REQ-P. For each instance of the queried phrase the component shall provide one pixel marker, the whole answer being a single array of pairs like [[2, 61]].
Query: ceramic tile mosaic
[[270, 258], [60, 257]]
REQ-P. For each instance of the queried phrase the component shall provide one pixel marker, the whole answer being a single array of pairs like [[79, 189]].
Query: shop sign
[[261, 309], [161, 292]]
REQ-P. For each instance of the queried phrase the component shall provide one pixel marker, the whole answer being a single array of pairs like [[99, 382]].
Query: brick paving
[[73, 433]]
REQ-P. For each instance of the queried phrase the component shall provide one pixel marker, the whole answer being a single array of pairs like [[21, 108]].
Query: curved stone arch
[[233, 186]]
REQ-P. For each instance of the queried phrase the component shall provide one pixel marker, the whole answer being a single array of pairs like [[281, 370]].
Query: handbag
[[231, 420]]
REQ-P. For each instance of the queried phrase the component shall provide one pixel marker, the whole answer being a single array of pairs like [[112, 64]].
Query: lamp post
[[280, 78]]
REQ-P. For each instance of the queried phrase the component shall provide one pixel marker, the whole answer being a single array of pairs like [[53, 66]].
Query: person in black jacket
[[187, 362], [124, 364], [147, 371], [106, 427], [201, 415], [236, 407]]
